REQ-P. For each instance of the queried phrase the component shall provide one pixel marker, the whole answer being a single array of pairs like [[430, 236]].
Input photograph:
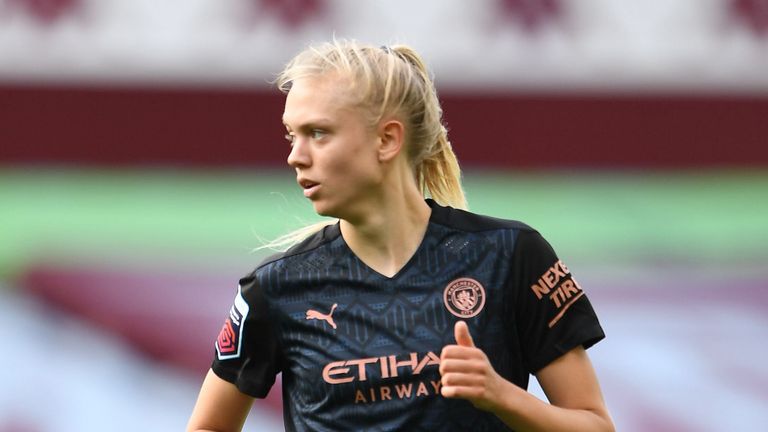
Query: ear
[[391, 139]]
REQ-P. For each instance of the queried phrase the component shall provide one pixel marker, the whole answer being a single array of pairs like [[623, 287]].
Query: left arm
[[570, 383]]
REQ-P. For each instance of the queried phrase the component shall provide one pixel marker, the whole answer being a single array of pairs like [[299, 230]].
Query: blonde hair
[[387, 81]]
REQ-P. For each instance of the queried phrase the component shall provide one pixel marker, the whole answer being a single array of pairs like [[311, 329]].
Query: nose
[[299, 155]]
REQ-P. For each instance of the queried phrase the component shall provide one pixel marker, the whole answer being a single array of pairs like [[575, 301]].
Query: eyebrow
[[312, 124]]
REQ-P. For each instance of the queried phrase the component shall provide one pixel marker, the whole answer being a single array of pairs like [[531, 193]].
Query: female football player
[[405, 312]]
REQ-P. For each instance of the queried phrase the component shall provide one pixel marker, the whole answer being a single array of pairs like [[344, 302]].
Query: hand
[[467, 373]]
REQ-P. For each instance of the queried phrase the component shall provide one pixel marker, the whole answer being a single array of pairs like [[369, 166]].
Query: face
[[333, 150]]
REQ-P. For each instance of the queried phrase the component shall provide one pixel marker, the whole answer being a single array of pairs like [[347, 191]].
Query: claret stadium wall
[[242, 127]]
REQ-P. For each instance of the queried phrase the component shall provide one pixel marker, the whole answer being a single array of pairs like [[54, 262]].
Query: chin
[[323, 209]]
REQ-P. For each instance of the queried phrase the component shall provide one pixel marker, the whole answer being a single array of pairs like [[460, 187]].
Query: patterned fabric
[[360, 351]]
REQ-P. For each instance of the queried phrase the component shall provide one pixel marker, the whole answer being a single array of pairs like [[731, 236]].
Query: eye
[[290, 138], [318, 134]]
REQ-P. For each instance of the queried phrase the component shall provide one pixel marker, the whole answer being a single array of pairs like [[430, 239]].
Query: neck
[[388, 237]]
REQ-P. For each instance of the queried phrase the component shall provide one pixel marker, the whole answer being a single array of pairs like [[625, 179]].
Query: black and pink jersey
[[361, 351]]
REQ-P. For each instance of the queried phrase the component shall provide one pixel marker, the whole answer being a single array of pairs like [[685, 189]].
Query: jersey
[[361, 351]]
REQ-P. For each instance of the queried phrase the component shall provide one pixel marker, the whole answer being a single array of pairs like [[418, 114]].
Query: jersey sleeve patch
[[559, 288], [553, 314], [229, 341]]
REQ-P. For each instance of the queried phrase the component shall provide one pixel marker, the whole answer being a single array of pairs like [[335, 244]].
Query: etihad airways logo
[[559, 289], [381, 368], [340, 372]]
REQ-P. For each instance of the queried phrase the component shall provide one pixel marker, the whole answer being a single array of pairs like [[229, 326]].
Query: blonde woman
[[406, 313]]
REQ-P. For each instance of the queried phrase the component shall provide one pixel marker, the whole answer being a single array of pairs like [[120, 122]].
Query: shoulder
[[472, 222], [302, 252]]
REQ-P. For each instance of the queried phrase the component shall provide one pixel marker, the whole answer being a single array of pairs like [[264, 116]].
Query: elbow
[[606, 422], [601, 420]]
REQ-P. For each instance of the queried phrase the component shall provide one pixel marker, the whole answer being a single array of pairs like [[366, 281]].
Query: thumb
[[461, 333]]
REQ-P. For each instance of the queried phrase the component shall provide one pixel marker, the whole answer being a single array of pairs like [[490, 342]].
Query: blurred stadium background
[[142, 160]]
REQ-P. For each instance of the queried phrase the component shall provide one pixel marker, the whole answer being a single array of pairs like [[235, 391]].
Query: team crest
[[464, 297], [228, 343]]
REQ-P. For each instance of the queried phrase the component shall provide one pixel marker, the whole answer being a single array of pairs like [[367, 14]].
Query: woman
[[408, 313]]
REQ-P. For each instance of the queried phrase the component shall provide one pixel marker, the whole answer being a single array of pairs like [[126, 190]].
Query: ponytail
[[437, 168], [439, 175]]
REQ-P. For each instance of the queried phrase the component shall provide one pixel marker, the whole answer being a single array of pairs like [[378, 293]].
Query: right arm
[[220, 407]]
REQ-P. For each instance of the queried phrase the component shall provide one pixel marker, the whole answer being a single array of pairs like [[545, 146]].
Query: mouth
[[309, 187]]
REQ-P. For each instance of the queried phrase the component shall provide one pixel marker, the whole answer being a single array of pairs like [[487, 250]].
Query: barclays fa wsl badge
[[228, 344], [464, 297]]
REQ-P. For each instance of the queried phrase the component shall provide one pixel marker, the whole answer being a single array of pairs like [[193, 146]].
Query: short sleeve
[[552, 312], [247, 351]]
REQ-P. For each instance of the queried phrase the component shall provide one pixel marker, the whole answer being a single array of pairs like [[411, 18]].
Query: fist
[[466, 371]]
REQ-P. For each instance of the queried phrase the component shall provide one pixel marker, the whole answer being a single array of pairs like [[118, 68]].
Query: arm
[[569, 383], [220, 407]]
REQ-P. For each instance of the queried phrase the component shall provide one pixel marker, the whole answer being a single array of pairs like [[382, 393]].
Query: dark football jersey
[[361, 351]]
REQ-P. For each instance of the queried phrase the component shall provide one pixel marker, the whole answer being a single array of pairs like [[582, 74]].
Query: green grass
[[716, 216], [215, 217]]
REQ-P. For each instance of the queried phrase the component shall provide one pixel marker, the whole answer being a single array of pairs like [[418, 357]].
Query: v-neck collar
[[409, 263]]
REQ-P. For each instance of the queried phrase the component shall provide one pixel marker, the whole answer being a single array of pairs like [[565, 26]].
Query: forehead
[[325, 96]]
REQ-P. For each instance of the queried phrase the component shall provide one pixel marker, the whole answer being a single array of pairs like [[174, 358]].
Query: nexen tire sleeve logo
[[229, 342], [558, 285]]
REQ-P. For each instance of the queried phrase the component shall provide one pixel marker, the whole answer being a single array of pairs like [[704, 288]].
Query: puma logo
[[313, 314]]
